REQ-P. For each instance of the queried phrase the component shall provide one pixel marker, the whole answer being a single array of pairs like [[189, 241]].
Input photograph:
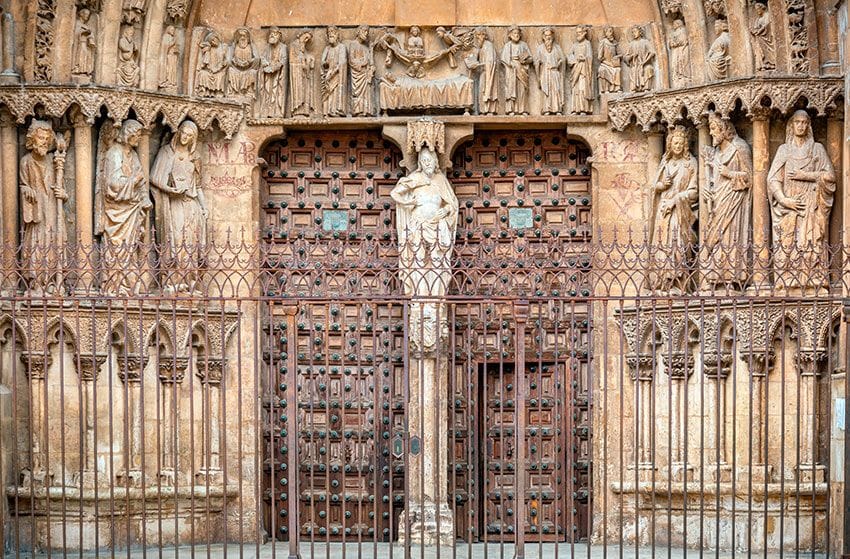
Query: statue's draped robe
[[516, 58], [609, 66], [39, 217], [680, 57], [333, 87], [763, 46], [800, 238], [242, 73], [581, 77], [672, 234], [122, 211], [273, 81], [488, 94], [212, 67], [718, 59], [549, 66], [362, 71], [84, 50], [727, 232], [301, 80], [639, 56]]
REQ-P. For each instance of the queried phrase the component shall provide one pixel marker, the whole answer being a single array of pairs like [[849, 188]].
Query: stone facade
[[712, 130]]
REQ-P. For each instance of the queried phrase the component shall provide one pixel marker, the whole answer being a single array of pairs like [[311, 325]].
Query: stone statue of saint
[[301, 75], [580, 60], [273, 65], [85, 44], [801, 187], [334, 73], [549, 64], [361, 64], [482, 60], [610, 67], [169, 56], [426, 218], [680, 54], [674, 195], [122, 204], [128, 70], [516, 58], [763, 42], [242, 64], [211, 69], [180, 210], [719, 59], [728, 197], [41, 176], [640, 57]]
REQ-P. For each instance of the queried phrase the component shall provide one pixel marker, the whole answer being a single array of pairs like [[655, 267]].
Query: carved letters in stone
[[640, 57], [680, 56], [718, 59], [801, 186], [169, 57], [482, 61], [302, 75], [128, 71], [122, 203], [580, 60], [42, 213], [273, 66], [361, 64], [242, 65], [516, 59], [212, 66], [763, 41], [85, 44], [610, 66], [180, 207], [674, 195], [334, 73], [549, 64], [728, 196]]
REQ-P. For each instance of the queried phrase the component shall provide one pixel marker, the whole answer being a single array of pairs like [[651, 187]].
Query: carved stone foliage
[[98, 332], [653, 334], [45, 15], [798, 35], [56, 101], [695, 103]]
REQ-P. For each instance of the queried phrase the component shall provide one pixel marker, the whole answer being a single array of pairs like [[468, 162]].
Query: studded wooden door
[[323, 189], [518, 192]]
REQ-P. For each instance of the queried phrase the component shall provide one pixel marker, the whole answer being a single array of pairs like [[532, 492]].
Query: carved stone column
[[680, 367], [762, 362], [210, 372], [808, 470], [761, 208], [703, 141], [130, 373], [89, 369], [37, 365], [84, 180], [9, 159], [717, 367], [144, 151], [654, 153], [642, 374], [834, 147], [171, 374]]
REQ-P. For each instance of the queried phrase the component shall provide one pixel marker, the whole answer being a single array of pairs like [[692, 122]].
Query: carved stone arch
[[58, 330], [783, 320], [826, 330], [161, 337], [121, 336], [11, 330]]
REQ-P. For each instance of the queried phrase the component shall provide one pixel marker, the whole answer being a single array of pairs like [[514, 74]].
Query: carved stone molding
[[669, 106], [90, 366], [56, 100]]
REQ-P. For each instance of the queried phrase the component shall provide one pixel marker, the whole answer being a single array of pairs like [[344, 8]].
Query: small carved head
[[130, 132], [305, 36], [242, 36], [40, 137], [170, 31], [514, 33], [213, 39], [760, 8], [333, 35], [721, 26], [677, 142], [582, 32], [720, 129], [129, 32], [187, 135], [84, 14], [609, 32], [799, 125], [480, 34], [678, 23], [363, 33], [440, 31], [637, 32], [427, 161], [415, 30], [274, 36], [548, 35]]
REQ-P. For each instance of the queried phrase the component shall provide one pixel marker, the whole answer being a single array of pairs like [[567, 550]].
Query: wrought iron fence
[[277, 397]]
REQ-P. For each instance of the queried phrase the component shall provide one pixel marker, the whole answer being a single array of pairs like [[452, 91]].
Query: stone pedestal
[[430, 524]]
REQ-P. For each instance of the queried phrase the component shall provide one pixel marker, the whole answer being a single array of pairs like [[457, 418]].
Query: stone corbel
[[454, 135], [210, 370], [810, 360], [36, 364], [130, 368], [679, 364], [173, 370], [641, 366]]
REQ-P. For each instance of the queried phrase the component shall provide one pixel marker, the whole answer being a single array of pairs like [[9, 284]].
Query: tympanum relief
[[640, 57], [361, 65], [211, 69], [763, 43], [85, 45], [610, 67], [549, 64], [718, 59], [580, 61]]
